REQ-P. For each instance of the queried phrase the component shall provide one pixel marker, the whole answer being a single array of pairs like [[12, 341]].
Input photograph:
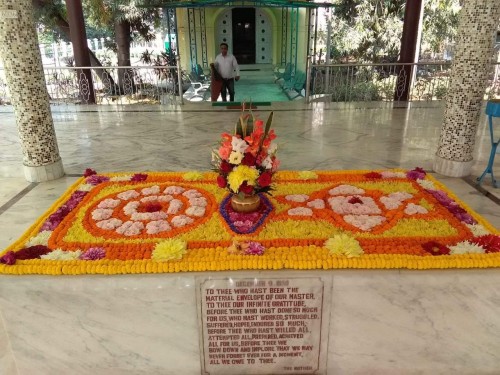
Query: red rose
[[221, 181], [245, 188], [265, 179], [225, 167], [248, 159]]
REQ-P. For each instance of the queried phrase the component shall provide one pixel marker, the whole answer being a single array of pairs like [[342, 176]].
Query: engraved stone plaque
[[263, 325]]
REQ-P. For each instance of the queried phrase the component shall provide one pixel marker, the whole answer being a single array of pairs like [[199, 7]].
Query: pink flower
[[93, 253], [254, 248], [276, 164], [416, 174], [9, 258], [224, 152], [96, 179]]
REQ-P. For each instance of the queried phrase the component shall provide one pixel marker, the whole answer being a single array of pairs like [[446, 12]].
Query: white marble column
[[472, 63], [21, 57]]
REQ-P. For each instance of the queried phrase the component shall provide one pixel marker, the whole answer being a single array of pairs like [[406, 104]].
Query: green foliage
[[102, 14], [439, 24], [370, 30]]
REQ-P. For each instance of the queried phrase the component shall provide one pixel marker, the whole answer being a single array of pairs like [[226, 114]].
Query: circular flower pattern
[[156, 210]]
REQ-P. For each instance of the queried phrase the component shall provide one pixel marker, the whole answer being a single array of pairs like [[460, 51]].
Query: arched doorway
[[248, 32]]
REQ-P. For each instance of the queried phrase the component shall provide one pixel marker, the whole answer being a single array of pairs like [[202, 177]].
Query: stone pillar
[[24, 72], [471, 65]]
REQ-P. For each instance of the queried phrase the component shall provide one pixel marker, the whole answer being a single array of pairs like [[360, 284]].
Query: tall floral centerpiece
[[246, 161]]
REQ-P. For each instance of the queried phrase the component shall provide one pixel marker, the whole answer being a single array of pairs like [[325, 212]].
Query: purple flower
[[93, 253], [457, 211], [441, 197], [55, 219], [9, 258], [89, 172], [139, 177], [416, 174], [96, 179], [254, 248]]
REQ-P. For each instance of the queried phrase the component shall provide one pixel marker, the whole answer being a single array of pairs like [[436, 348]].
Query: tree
[[51, 14], [370, 30], [440, 24], [126, 21]]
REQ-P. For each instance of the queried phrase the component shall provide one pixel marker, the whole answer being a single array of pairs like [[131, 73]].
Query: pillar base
[[452, 168], [45, 172]]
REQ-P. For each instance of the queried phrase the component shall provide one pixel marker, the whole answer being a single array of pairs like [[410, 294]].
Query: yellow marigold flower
[[307, 175], [193, 176], [240, 174], [343, 244], [169, 249]]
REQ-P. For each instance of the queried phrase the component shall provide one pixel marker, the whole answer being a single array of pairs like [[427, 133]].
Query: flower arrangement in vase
[[246, 161]]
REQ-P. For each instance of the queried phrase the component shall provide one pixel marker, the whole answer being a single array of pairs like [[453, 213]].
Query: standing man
[[226, 64]]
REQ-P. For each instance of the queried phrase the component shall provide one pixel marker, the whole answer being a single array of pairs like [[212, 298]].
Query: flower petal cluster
[[169, 249], [343, 244], [246, 161]]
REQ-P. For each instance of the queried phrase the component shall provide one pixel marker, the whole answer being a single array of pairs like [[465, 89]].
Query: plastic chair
[[285, 75], [492, 110]]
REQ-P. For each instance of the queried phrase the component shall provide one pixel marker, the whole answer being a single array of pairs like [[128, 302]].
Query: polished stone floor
[[383, 322]]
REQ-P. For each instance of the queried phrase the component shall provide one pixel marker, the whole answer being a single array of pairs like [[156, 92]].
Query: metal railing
[[112, 85], [385, 82]]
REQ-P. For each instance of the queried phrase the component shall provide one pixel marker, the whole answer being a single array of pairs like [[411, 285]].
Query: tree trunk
[[125, 76], [63, 26]]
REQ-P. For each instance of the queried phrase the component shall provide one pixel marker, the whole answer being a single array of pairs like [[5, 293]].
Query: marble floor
[[382, 322]]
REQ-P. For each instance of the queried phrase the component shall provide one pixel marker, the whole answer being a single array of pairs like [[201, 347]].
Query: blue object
[[492, 110]]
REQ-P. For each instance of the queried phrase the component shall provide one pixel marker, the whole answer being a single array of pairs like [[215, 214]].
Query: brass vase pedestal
[[245, 204]]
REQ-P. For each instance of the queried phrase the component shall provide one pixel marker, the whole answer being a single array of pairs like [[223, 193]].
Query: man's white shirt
[[226, 66]]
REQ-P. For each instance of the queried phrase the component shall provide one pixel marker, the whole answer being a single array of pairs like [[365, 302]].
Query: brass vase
[[245, 204]]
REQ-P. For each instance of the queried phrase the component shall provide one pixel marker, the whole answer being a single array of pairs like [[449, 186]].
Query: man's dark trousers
[[227, 85]]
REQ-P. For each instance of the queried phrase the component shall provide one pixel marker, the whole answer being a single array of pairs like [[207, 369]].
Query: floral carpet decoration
[[122, 223]]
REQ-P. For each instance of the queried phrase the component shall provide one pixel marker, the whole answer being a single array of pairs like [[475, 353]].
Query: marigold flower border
[[218, 259]]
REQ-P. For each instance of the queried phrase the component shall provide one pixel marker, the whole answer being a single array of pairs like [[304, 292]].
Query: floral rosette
[[246, 160]]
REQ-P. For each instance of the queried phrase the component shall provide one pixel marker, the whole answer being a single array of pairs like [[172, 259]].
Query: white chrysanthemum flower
[[59, 254], [236, 157], [426, 184], [267, 162], [41, 238], [466, 247], [477, 230], [127, 177], [273, 148], [85, 187], [239, 145]]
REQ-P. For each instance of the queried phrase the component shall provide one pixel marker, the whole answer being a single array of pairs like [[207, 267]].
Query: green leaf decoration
[[269, 123]]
